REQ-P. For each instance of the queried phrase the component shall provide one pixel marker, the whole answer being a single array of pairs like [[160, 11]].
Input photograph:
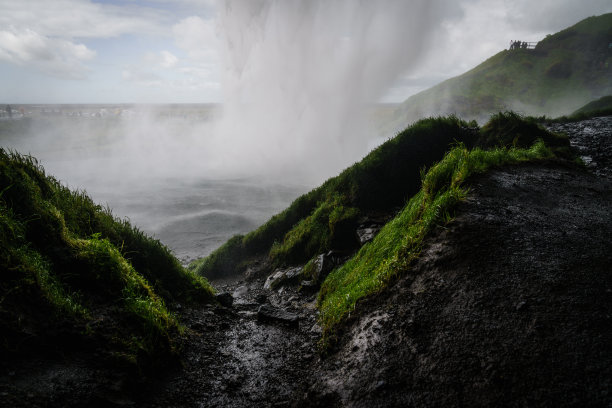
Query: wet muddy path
[[236, 357]]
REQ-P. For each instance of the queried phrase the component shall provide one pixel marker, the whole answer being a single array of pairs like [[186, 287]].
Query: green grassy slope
[[564, 71], [66, 262], [399, 243], [326, 217]]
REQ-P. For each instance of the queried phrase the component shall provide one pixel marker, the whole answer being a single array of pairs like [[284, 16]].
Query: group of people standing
[[515, 45]]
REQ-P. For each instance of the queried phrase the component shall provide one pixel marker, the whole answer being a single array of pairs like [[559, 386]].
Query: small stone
[[225, 299]]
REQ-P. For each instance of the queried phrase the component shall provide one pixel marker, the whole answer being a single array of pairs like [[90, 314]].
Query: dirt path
[[235, 360]]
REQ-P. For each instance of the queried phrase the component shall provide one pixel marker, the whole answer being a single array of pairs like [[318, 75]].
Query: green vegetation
[[509, 129], [64, 258], [598, 107], [399, 242], [563, 72], [325, 217]]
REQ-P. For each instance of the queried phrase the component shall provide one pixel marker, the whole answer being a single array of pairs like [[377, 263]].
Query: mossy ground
[[65, 259]]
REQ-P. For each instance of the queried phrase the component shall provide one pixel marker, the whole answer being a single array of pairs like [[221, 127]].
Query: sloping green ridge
[[399, 242], [326, 217], [65, 259], [321, 219], [565, 71]]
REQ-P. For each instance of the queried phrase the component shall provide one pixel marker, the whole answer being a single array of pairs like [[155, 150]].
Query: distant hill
[[560, 74]]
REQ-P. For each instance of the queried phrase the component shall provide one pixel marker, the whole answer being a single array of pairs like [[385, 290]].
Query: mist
[[300, 83], [301, 78]]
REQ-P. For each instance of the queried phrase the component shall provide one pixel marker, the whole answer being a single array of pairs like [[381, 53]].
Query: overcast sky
[[158, 51]]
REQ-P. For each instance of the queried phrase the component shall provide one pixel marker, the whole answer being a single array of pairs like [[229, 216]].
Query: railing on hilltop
[[522, 45]]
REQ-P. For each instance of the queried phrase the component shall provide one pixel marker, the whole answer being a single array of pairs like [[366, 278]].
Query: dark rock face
[[325, 263], [366, 234], [509, 306], [271, 314]]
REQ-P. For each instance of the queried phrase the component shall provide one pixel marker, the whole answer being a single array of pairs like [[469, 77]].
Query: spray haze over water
[[300, 79]]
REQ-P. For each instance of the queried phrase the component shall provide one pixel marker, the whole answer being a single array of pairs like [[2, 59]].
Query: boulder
[[282, 277], [271, 314], [367, 233]]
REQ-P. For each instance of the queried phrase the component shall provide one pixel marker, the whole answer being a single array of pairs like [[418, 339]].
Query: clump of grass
[[330, 224], [399, 242], [62, 257], [509, 129]]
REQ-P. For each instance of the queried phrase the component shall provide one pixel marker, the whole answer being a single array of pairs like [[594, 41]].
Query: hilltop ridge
[[563, 72]]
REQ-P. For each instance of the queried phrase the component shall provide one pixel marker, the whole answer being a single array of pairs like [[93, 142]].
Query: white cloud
[[198, 38], [80, 18], [169, 60], [163, 59], [142, 77], [57, 57]]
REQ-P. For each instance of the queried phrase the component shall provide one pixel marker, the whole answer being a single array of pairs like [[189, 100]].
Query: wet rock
[[271, 314], [261, 298], [225, 299], [325, 263], [240, 292], [282, 277], [367, 233]]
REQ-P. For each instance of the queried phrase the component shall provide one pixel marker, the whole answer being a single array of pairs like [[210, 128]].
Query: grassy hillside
[[390, 179], [326, 217], [399, 243], [563, 72], [71, 274]]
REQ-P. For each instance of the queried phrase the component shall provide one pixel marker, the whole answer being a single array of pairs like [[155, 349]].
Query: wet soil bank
[[509, 305]]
